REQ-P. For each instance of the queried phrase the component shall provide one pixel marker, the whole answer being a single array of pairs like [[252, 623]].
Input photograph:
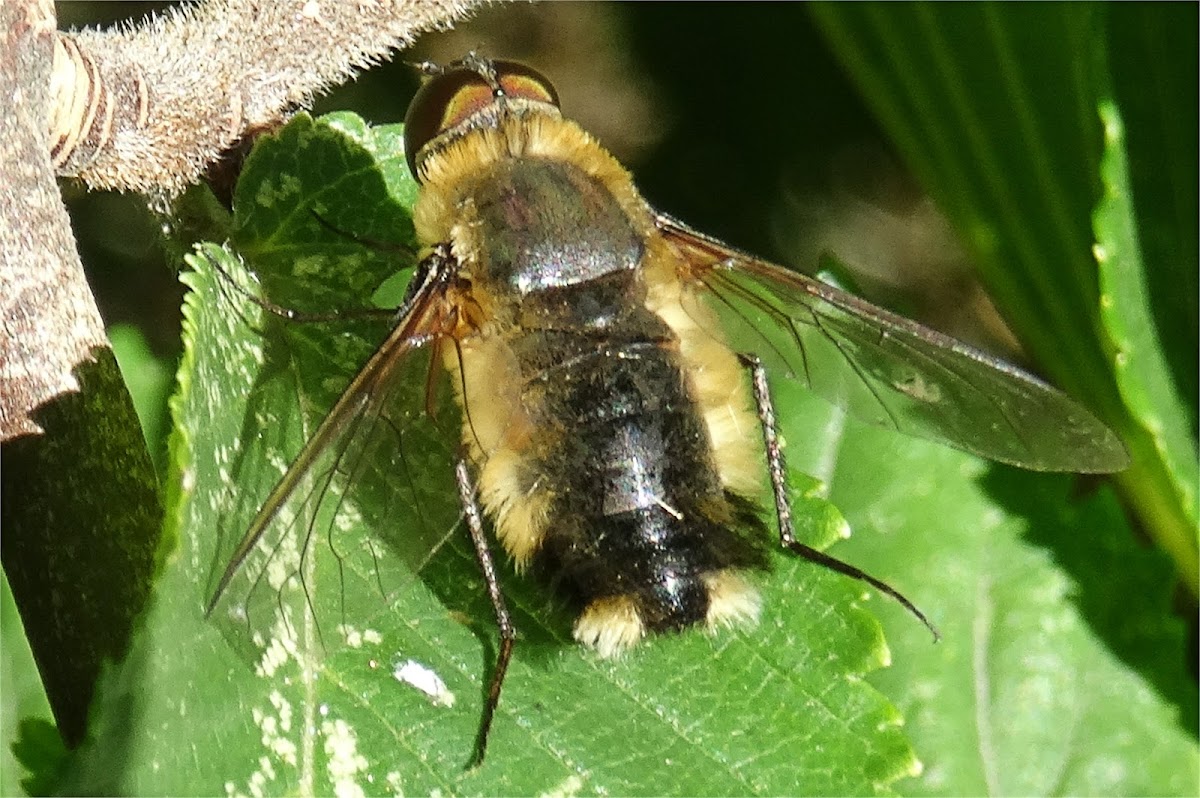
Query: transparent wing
[[888, 370], [368, 464]]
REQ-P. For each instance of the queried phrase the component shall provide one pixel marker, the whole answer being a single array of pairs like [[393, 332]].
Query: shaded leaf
[[994, 108], [1153, 53], [81, 544]]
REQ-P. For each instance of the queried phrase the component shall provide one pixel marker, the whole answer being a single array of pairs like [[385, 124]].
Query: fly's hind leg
[[777, 468], [474, 518]]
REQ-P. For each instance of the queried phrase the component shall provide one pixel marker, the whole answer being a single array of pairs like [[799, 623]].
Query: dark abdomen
[[637, 509]]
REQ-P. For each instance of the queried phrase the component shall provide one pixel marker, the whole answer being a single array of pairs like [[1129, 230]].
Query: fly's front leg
[[474, 518], [777, 468]]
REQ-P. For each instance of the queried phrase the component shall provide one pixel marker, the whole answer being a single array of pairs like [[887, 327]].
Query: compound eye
[[525, 82], [463, 89]]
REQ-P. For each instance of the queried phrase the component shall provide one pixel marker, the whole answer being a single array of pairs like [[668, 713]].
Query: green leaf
[[988, 103], [309, 702], [1144, 372], [149, 380], [1151, 359], [1060, 669], [25, 712], [994, 107]]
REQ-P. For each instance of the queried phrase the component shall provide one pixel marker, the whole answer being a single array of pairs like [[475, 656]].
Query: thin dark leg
[[470, 505], [777, 468], [393, 247], [299, 316]]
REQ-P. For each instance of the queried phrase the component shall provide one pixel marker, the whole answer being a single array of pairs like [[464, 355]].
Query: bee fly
[[611, 367]]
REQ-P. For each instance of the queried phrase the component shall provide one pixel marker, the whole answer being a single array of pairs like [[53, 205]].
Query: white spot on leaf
[[426, 680], [344, 761]]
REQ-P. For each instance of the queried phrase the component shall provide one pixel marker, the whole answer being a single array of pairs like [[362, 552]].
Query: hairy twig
[[149, 108], [145, 109]]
